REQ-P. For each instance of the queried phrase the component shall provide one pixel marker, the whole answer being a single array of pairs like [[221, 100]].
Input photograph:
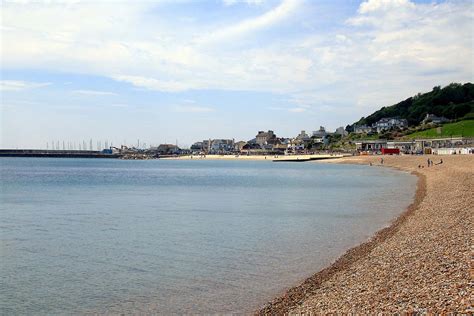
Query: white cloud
[[93, 92], [17, 85], [193, 109], [425, 36], [249, 2], [153, 84], [275, 108], [397, 46], [297, 110], [267, 19], [384, 5]]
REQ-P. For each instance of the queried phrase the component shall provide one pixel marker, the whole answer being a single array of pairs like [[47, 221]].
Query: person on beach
[[381, 161], [429, 162]]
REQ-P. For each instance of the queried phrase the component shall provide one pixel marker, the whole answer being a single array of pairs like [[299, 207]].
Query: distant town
[[389, 135], [343, 140]]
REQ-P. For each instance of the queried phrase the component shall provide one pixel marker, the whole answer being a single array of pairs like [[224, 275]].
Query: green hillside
[[462, 128], [453, 102]]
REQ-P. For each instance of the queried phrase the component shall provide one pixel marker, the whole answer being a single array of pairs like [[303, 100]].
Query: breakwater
[[56, 153]]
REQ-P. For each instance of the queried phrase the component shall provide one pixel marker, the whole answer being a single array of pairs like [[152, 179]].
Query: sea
[[95, 236]]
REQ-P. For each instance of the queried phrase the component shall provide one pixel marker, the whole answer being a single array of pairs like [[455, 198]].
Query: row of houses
[[391, 123], [382, 125], [266, 142], [417, 146]]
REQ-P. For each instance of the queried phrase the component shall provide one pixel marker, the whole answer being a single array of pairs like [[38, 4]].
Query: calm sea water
[[94, 236]]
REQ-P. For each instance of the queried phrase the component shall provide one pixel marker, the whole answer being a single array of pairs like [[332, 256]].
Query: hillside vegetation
[[453, 102], [461, 128]]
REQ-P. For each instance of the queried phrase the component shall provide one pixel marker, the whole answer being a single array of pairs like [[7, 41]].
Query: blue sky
[[167, 71]]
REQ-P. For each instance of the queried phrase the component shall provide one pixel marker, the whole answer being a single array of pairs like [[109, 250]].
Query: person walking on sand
[[428, 162], [381, 161]]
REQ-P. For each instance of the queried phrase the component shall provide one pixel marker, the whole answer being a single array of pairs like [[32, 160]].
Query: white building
[[222, 145], [341, 131], [433, 119], [320, 133], [371, 145], [303, 136], [296, 145], [386, 124], [362, 129]]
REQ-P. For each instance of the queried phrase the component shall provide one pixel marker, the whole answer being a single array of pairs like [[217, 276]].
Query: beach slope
[[423, 262]]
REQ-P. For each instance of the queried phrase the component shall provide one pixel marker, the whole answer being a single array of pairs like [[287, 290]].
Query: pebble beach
[[421, 263]]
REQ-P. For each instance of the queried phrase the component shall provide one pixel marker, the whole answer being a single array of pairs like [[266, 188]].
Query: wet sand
[[422, 262]]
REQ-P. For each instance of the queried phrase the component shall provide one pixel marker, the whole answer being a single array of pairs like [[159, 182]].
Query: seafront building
[[238, 146], [265, 138], [375, 145], [214, 146], [418, 146], [166, 149], [296, 145], [222, 145]]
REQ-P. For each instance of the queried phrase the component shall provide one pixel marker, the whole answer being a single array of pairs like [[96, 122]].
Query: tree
[[453, 101]]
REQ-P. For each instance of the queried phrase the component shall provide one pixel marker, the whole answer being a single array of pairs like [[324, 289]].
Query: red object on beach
[[390, 151]]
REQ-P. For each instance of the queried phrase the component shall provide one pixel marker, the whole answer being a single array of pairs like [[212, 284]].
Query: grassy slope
[[462, 128]]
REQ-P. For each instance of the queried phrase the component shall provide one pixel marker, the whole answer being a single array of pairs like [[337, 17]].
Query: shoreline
[[294, 295], [258, 157], [311, 296]]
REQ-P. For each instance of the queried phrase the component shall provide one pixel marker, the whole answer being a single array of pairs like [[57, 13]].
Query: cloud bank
[[385, 49], [18, 85]]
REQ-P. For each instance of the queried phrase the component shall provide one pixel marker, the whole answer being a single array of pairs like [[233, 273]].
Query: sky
[[183, 71]]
